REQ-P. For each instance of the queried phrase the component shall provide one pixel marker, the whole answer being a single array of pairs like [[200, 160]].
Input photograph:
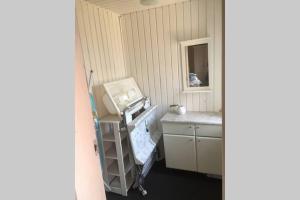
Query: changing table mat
[[141, 136], [142, 144]]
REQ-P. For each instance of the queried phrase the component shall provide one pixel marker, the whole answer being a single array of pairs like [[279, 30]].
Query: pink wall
[[88, 178]]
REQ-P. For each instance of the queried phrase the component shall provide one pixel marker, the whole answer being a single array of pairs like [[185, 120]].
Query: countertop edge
[[205, 118], [190, 122]]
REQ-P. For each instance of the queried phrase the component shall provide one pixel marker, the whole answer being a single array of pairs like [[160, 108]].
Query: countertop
[[214, 118]]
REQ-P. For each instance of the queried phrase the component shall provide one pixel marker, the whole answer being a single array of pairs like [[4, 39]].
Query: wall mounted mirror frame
[[197, 65]]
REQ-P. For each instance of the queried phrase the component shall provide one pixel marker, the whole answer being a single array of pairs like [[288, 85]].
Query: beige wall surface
[[145, 45], [100, 36], [152, 53]]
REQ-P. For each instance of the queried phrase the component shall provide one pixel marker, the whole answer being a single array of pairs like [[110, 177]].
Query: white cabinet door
[[180, 152], [209, 155], [88, 177]]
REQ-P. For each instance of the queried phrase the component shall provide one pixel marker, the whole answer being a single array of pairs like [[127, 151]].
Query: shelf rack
[[119, 164]]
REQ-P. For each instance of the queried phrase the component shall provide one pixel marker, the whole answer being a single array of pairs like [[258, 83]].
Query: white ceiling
[[127, 6]]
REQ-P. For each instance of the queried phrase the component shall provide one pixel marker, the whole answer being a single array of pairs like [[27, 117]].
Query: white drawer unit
[[178, 128], [204, 130], [180, 151], [193, 142]]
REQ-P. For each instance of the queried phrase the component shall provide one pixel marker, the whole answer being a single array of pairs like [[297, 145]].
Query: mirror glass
[[198, 75]]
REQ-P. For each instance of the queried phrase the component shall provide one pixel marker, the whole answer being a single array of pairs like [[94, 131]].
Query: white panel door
[[88, 177], [209, 155], [180, 152]]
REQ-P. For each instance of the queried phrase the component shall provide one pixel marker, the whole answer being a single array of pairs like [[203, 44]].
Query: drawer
[[178, 128], [209, 130]]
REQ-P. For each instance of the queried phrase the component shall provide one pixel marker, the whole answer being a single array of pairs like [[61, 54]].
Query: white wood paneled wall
[[152, 55], [100, 36], [145, 45]]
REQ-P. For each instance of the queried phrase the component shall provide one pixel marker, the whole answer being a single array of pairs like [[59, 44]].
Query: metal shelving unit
[[119, 164]]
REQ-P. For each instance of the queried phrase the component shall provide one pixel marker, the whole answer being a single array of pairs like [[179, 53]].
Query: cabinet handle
[[191, 140]]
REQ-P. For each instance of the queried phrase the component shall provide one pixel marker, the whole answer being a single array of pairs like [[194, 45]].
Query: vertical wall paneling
[[128, 28], [104, 45], [90, 44], [168, 56], [202, 18], [113, 34], [210, 33], [187, 28], [100, 36], [101, 56], [110, 40], [174, 49], [137, 50], [143, 53], [119, 46], [118, 53], [180, 37], [97, 74], [149, 57], [110, 45], [195, 35], [218, 55], [145, 45], [154, 42], [151, 42], [82, 35], [161, 55], [202, 13], [91, 48], [125, 45]]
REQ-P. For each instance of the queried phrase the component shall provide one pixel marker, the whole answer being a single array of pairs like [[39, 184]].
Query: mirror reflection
[[198, 65]]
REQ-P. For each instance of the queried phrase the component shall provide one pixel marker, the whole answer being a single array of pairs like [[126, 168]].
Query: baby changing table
[[131, 126]]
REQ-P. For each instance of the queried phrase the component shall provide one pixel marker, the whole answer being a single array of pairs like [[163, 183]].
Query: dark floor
[[169, 184]]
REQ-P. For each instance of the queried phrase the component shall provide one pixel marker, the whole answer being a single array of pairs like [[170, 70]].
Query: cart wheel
[[144, 192]]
